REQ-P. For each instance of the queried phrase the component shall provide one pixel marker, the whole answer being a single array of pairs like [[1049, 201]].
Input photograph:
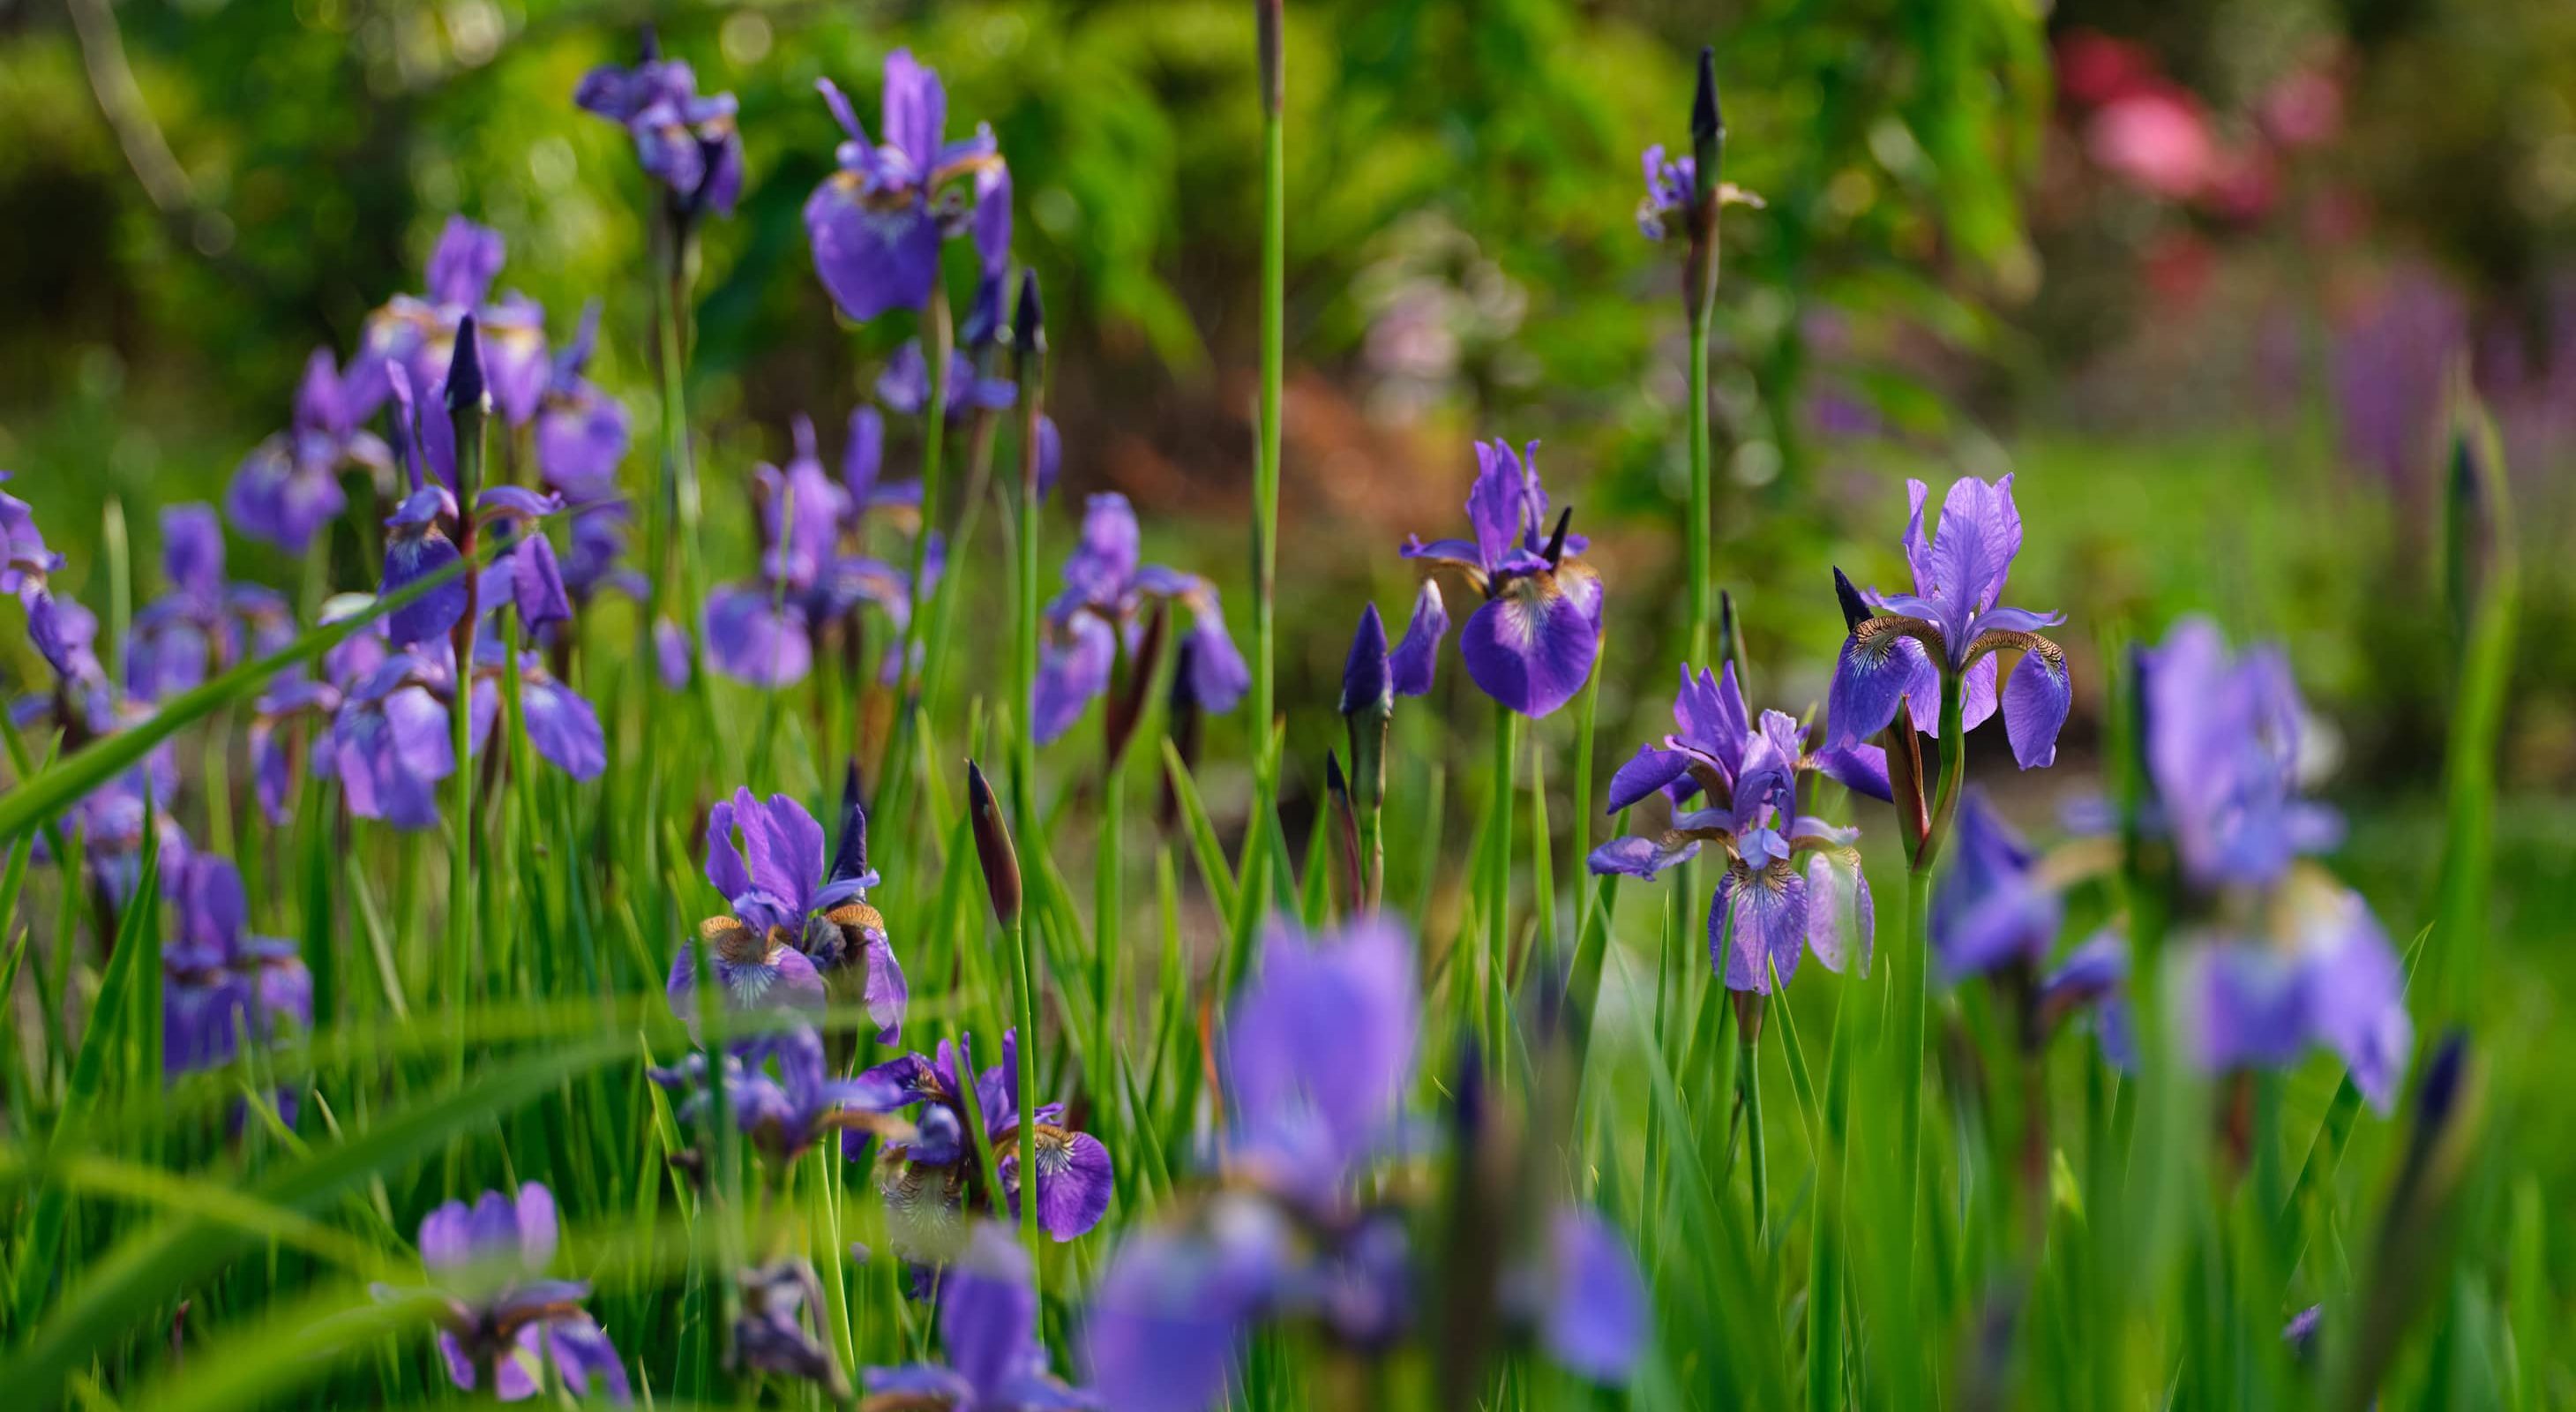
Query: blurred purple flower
[[929, 1178], [877, 223], [1108, 592], [220, 984], [1989, 909], [581, 431], [764, 630], [1951, 626], [419, 334], [686, 142], [904, 386], [771, 1334], [25, 572], [787, 1113], [204, 624], [1532, 643], [2222, 750], [988, 1327], [498, 1308], [288, 487]]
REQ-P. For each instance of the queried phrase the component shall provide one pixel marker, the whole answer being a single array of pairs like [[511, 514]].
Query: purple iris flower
[[24, 572], [1793, 882], [279, 732], [785, 1113], [2288, 957], [391, 739], [799, 930], [877, 223], [289, 486], [1530, 646], [1990, 910], [1108, 591], [764, 630], [419, 334], [2222, 744], [863, 484], [498, 1307], [1319, 1056], [1951, 626], [904, 386], [929, 1178], [220, 983], [204, 624], [686, 142], [581, 431], [988, 1326], [536, 579]]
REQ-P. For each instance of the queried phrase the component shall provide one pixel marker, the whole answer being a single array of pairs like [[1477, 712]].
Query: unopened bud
[[993, 848]]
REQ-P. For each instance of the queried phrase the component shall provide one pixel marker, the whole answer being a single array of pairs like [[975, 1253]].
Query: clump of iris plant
[[1320, 1055], [988, 1327], [931, 1180], [684, 140], [781, 1096], [289, 486], [1946, 634], [1531, 644], [877, 223], [799, 932], [1108, 594], [501, 1321], [765, 630], [1792, 882]]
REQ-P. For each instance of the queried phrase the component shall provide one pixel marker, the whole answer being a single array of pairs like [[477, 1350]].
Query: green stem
[[1498, 878], [1748, 1079], [1028, 1081], [1265, 471], [1107, 908], [1702, 510]]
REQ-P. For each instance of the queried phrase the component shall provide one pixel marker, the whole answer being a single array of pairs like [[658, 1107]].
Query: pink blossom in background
[[2304, 108], [2155, 139], [2093, 68]]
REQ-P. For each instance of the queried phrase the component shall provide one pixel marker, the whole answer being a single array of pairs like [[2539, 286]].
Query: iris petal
[[2035, 701], [1531, 648]]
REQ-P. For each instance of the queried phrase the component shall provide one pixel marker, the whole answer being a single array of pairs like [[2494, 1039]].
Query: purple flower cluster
[[220, 984], [499, 1314], [929, 1180], [1793, 882], [683, 140], [1109, 591]]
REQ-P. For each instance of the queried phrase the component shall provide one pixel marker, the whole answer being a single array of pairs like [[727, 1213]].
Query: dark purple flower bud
[[1028, 329], [465, 389], [993, 848], [1269, 20], [1411, 667], [1708, 125], [1367, 687], [850, 854]]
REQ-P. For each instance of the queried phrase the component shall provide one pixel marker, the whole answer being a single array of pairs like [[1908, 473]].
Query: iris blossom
[[2280, 955], [1990, 909], [581, 431], [786, 1113], [988, 1327], [204, 624], [1530, 646], [764, 630], [1108, 593], [24, 572], [877, 223], [1321, 1052], [797, 930], [418, 334], [289, 486], [1949, 629], [1793, 882], [930, 1180], [685, 141], [390, 736], [220, 984], [498, 1309]]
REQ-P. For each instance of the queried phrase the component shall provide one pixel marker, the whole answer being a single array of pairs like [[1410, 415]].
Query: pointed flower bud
[[1274, 66], [850, 854], [465, 387], [1028, 325], [1856, 609], [993, 847], [1366, 684], [1708, 125]]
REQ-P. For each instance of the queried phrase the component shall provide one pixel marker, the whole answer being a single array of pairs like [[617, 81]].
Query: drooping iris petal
[[1531, 647], [1074, 1181], [1319, 1050], [871, 257], [1170, 1317], [1988, 909], [536, 582], [2355, 990], [1070, 674], [564, 729], [1878, 668], [1218, 674], [2035, 701], [884, 992], [754, 638], [413, 552], [1862, 769], [1597, 1317], [1757, 925]]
